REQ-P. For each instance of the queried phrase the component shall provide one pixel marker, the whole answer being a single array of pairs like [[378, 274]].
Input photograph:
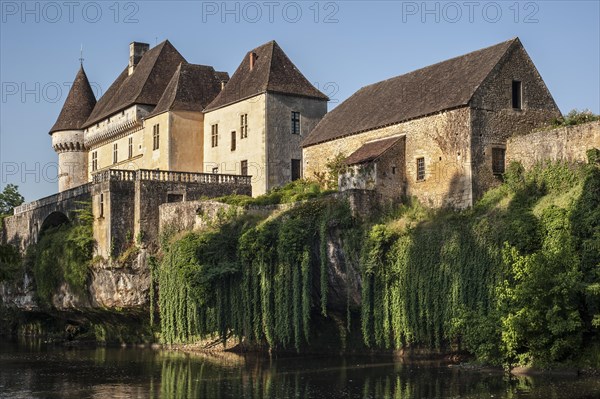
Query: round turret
[[67, 133]]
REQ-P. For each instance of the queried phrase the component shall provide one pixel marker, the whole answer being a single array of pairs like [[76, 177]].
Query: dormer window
[[517, 94]]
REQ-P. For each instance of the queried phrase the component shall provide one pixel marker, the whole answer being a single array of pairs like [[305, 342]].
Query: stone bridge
[[29, 220], [124, 204]]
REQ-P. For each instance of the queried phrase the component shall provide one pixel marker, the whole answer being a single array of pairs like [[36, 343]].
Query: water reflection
[[36, 370]]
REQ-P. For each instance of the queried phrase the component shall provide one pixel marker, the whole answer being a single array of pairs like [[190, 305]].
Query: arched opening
[[54, 219]]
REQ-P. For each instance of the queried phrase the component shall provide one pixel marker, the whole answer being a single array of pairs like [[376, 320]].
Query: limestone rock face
[[126, 287], [19, 295], [111, 286], [343, 276]]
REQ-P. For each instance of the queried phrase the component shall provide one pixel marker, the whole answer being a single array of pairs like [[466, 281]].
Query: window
[[174, 197], [101, 205], [498, 160], [517, 94], [393, 170], [115, 153], [214, 135], [94, 161], [130, 147], [295, 169], [215, 170], [233, 138], [155, 137], [243, 126], [244, 168], [295, 122], [420, 169]]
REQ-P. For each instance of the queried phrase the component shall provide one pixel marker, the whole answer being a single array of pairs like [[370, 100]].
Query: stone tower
[[67, 133]]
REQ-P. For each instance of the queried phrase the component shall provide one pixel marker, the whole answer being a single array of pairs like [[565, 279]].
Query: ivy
[[63, 255], [505, 279], [249, 278]]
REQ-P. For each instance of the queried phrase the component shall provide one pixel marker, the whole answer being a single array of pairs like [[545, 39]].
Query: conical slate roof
[[78, 106], [445, 85], [191, 88], [272, 71]]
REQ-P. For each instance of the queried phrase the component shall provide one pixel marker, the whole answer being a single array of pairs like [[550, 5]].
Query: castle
[[163, 113], [169, 131]]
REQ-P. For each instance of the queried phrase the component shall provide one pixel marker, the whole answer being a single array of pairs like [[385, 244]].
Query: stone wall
[[250, 148], [191, 215], [443, 139], [494, 119], [282, 145], [23, 228], [562, 144], [131, 208]]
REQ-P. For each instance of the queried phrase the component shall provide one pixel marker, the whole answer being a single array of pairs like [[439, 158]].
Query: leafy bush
[[10, 262], [9, 199], [298, 190], [515, 280], [517, 284], [575, 117]]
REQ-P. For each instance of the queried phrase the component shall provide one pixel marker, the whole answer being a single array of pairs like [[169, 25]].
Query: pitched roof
[[144, 86], [371, 151], [191, 88], [272, 71], [445, 85], [78, 106]]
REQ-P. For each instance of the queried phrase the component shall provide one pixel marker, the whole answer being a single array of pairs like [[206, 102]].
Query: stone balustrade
[[169, 176], [62, 196]]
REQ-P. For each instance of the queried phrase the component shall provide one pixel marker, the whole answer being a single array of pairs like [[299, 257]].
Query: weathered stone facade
[[384, 174], [269, 146], [456, 143], [126, 203], [561, 144], [442, 139], [494, 120]]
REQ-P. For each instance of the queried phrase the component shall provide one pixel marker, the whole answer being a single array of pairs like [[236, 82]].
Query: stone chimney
[[136, 52], [252, 57]]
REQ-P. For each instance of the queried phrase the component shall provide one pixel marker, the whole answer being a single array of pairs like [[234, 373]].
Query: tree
[[10, 198]]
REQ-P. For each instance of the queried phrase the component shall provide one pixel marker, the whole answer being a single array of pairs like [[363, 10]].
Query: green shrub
[[575, 117], [10, 263], [298, 190]]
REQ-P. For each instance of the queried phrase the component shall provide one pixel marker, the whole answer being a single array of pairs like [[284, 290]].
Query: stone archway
[[54, 219]]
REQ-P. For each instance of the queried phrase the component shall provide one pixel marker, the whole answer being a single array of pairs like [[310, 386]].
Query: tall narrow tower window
[[115, 153], [101, 205], [130, 147], [94, 161], [233, 140], [295, 122], [243, 126], [214, 135], [155, 137], [517, 94]]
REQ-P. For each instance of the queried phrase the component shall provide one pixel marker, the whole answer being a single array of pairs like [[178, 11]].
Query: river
[[35, 370]]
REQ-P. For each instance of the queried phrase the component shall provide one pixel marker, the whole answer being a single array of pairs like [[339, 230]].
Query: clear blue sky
[[339, 45]]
